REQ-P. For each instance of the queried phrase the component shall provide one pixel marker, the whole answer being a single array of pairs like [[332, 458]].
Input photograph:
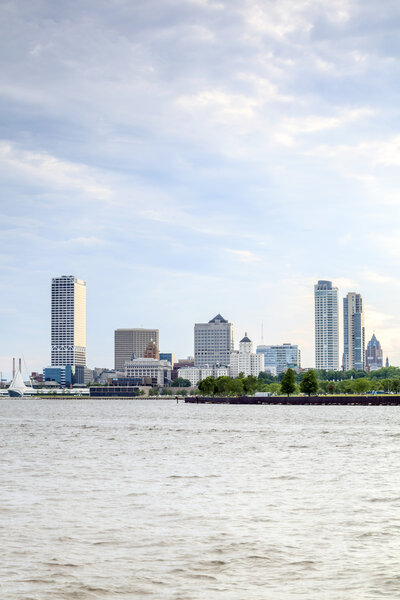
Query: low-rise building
[[149, 369], [280, 357], [196, 374]]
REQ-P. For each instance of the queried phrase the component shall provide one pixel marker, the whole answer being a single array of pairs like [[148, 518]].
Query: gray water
[[150, 499]]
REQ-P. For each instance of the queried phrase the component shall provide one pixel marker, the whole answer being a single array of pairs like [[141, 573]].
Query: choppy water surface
[[135, 499]]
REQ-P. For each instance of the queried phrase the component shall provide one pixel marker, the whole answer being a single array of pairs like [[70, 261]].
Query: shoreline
[[376, 400]]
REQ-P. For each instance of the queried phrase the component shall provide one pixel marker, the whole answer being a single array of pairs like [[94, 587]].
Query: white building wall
[[213, 342], [326, 326], [149, 367], [246, 363], [195, 374]]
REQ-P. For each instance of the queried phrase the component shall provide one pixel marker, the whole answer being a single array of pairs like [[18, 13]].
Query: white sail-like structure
[[18, 388]]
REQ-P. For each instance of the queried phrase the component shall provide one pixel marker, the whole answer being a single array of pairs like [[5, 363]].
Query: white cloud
[[245, 256], [53, 171]]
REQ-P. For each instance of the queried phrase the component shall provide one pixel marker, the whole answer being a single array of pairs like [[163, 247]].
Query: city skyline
[[203, 157], [68, 320]]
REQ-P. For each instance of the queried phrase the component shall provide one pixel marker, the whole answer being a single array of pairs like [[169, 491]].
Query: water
[[150, 499]]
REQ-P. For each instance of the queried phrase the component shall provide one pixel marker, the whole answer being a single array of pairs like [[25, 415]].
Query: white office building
[[245, 360], [326, 326], [68, 321], [213, 343], [280, 358], [150, 370], [196, 374]]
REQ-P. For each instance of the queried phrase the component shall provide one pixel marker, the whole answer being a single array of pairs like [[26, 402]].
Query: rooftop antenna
[[262, 332]]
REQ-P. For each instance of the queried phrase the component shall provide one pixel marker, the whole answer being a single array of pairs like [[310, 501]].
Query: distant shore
[[373, 400]]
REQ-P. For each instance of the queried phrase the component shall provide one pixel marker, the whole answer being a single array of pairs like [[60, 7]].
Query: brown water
[[135, 499]]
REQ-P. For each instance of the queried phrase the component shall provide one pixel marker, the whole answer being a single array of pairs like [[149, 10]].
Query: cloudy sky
[[194, 157]]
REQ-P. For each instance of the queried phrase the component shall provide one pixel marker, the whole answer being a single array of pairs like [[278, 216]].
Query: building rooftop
[[218, 319]]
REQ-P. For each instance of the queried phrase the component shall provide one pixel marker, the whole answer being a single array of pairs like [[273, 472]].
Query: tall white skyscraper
[[68, 321], [326, 326], [213, 343], [353, 332]]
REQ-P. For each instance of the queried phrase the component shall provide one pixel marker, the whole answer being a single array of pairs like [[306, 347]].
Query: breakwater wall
[[374, 400]]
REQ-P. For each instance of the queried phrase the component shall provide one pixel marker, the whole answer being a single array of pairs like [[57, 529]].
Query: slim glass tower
[[326, 326], [68, 321], [353, 332]]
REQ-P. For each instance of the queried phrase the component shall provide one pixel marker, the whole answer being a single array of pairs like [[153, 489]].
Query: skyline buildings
[[326, 326], [279, 357], [374, 354], [213, 343], [132, 341], [151, 348], [353, 332], [68, 321], [245, 360]]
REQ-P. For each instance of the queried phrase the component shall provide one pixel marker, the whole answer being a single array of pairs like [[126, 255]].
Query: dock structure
[[372, 400]]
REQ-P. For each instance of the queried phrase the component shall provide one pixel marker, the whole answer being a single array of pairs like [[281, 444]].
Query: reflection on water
[[135, 499]]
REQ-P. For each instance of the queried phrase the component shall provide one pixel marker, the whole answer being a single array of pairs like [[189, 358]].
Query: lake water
[[150, 499]]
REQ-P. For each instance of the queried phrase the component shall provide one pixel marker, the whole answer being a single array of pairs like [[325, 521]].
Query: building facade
[[373, 355], [279, 358], [169, 356], [353, 333], [64, 375], [68, 321], [196, 374], [245, 360], [326, 326], [213, 343], [150, 370], [128, 342]]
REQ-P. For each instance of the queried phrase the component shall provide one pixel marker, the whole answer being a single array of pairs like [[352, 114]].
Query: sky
[[193, 157]]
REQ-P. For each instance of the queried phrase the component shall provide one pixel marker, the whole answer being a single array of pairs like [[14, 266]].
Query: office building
[[196, 374], [213, 343], [245, 360], [326, 326], [169, 356], [279, 358], [182, 362], [68, 321], [149, 370], [132, 342], [373, 355], [353, 333]]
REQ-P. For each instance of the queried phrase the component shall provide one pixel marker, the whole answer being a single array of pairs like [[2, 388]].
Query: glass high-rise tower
[[68, 321], [353, 332], [326, 326]]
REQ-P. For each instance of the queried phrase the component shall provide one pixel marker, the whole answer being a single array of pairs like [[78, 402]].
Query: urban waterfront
[[153, 499]]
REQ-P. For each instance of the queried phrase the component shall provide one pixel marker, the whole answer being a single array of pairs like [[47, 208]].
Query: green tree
[[361, 385], [250, 384], [264, 377], [180, 382], [207, 386], [288, 383], [274, 388], [222, 385], [236, 387], [309, 383]]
